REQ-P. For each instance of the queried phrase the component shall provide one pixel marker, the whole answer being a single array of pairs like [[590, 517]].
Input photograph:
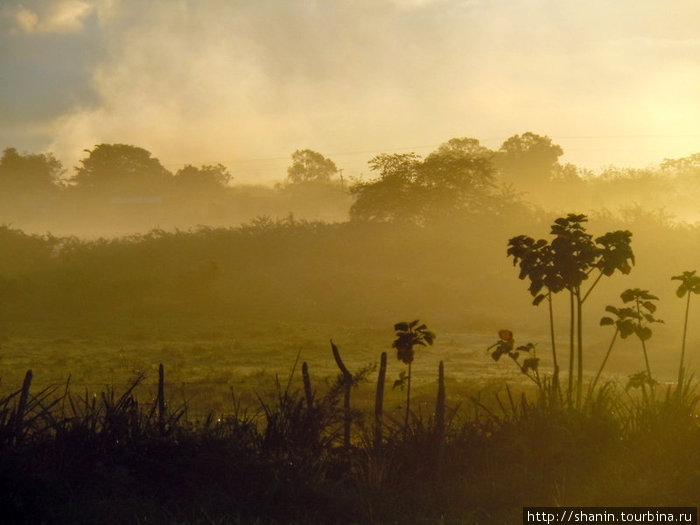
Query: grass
[[272, 459], [240, 444]]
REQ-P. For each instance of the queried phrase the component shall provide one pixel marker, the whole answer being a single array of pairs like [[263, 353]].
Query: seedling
[[409, 335], [506, 346], [690, 284]]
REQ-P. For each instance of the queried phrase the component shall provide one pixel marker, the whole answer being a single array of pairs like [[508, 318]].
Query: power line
[[424, 146]]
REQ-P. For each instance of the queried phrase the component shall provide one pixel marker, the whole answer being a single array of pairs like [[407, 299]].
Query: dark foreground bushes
[[109, 459]]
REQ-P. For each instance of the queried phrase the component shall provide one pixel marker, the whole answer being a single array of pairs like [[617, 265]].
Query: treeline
[[119, 189], [357, 273]]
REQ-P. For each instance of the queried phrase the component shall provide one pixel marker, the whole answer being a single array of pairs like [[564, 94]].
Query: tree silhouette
[[458, 177], [528, 158], [394, 195], [28, 173], [121, 167], [310, 166], [203, 178]]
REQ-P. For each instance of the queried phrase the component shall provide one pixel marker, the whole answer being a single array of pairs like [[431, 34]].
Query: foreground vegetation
[[306, 454], [67, 457], [219, 304]]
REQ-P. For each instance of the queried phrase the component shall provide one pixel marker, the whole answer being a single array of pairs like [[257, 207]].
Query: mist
[[246, 83], [390, 261]]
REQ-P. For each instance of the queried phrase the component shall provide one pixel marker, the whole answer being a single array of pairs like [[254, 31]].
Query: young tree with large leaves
[[408, 336], [566, 263], [690, 284]]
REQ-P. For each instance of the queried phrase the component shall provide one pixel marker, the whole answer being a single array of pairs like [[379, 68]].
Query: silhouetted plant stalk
[[605, 360], [555, 363], [379, 402], [690, 284]]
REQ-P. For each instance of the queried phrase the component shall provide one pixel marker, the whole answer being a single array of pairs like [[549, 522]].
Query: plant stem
[[379, 403], [555, 379], [600, 370], [570, 388], [579, 346], [685, 331], [408, 401], [592, 286], [644, 346]]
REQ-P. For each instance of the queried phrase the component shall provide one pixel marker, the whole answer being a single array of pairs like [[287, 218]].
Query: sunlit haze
[[246, 83]]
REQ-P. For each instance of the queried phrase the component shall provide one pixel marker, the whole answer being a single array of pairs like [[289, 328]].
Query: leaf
[[513, 355], [531, 364], [626, 328], [401, 381], [612, 310], [505, 335], [605, 321], [539, 299], [401, 327], [651, 319], [649, 306], [628, 295], [643, 332]]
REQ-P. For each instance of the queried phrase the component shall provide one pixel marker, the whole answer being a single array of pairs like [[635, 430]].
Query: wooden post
[[22, 407], [161, 399], [440, 404], [379, 403], [347, 385], [307, 385]]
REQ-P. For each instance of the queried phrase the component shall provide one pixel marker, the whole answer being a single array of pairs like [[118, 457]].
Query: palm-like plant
[[409, 335], [690, 284]]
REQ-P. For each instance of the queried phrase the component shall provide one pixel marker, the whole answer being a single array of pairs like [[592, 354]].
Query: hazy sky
[[247, 82]]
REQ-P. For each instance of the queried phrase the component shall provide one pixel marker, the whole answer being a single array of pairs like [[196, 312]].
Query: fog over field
[[506, 192]]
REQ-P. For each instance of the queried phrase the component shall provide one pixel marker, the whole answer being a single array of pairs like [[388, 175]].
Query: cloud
[[219, 81], [63, 16]]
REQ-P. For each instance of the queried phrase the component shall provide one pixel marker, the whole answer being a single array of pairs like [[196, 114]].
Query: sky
[[247, 82]]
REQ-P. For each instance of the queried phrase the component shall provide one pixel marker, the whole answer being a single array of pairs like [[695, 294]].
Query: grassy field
[[267, 457], [209, 365], [204, 367]]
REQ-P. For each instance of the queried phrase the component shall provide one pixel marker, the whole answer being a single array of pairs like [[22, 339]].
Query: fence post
[[347, 385], [307, 385], [161, 399], [379, 403], [440, 404], [22, 407]]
